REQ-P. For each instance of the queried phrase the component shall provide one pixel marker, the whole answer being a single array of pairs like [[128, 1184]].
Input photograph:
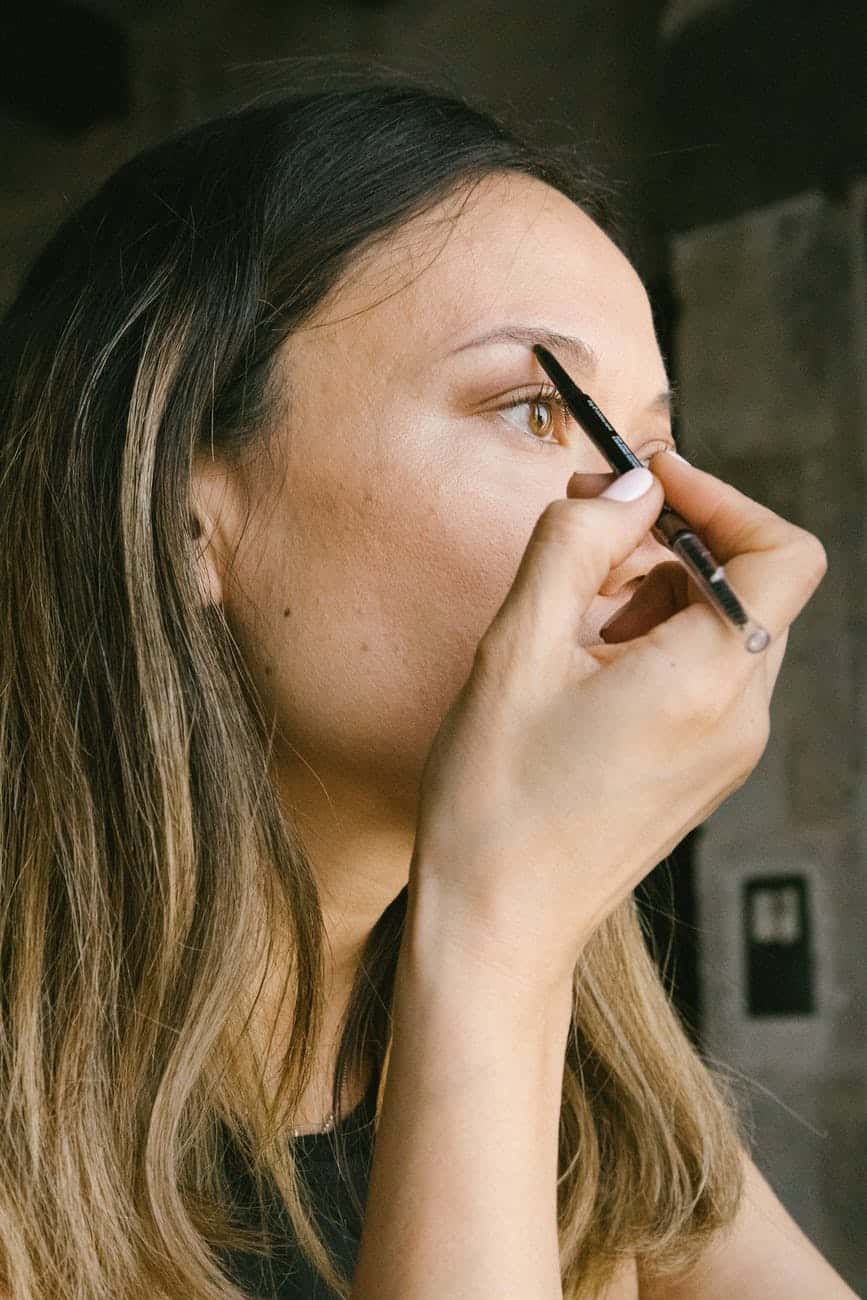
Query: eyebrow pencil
[[670, 528]]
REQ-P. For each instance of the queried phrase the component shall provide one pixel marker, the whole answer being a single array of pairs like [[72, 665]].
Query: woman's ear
[[210, 522], [205, 565]]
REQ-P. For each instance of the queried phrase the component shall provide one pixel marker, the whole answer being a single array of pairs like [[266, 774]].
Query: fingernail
[[677, 456], [629, 486]]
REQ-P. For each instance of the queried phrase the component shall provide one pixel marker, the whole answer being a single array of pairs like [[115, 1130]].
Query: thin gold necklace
[[296, 1132], [326, 1127]]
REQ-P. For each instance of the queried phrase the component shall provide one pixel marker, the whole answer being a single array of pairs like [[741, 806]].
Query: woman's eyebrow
[[583, 359], [581, 354]]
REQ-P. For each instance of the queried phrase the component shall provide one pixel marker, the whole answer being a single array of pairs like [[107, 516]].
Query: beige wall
[[771, 360]]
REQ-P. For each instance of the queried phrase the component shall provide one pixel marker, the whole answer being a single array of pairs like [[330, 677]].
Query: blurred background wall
[[737, 133]]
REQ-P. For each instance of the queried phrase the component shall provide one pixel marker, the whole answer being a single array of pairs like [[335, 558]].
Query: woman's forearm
[[462, 1194]]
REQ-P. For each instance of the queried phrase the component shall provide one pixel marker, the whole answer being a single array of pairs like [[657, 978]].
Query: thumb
[[574, 546]]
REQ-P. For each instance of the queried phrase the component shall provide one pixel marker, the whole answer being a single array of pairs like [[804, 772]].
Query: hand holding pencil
[[562, 773], [671, 529]]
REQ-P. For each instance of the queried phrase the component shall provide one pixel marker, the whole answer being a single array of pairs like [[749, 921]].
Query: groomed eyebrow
[[581, 355]]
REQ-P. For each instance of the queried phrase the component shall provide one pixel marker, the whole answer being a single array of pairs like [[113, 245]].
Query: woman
[[301, 792]]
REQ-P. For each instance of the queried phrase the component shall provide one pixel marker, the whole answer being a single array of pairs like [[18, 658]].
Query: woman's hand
[[563, 774]]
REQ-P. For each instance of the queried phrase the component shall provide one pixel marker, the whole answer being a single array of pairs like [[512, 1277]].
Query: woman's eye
[[535, 416], [540, 415]]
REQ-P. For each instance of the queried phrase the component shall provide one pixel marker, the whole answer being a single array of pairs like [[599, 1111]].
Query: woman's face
[[392, 512]]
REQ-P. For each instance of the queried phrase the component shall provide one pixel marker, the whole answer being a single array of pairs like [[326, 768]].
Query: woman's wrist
[[449, 957]]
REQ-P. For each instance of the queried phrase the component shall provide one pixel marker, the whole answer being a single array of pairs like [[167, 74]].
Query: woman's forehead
[[511, 247]]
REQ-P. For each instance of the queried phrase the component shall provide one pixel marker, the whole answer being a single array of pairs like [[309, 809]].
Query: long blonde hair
[[145, 860]]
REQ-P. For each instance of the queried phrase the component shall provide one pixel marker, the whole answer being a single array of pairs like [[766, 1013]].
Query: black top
[[293, 1277]]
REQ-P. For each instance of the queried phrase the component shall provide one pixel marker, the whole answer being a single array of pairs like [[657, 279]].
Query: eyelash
[[547, 395]]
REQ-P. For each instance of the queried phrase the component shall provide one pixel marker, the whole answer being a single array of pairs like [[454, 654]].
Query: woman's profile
[[273, 446]]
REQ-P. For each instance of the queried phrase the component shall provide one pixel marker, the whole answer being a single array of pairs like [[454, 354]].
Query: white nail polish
[[629, 486]]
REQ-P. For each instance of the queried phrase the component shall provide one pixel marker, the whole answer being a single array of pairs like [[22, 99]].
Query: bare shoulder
[[763, 1254]]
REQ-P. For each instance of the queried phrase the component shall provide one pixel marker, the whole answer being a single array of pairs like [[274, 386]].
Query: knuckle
[[704, 700], [811, 555], [560, 522], [696, 696], [562, 526], [818, 558], [750, 727]]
